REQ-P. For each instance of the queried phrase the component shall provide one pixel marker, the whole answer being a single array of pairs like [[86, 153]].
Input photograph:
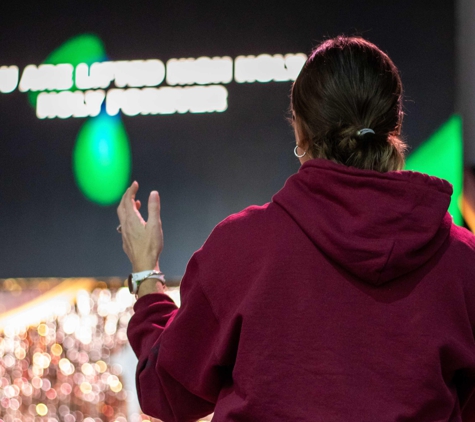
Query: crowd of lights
[[61, 370]]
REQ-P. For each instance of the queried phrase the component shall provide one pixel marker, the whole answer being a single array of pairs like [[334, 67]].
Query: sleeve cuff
[[151, 299]]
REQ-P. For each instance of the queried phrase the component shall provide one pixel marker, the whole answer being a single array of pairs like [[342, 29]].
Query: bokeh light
[[41, 409], [60, 369]]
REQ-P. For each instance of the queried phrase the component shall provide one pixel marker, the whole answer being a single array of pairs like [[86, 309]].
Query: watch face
[[130, 284]]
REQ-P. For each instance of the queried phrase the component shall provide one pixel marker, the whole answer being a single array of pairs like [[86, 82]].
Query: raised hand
[[142, 240]]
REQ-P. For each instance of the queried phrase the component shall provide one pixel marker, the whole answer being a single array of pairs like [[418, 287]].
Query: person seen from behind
[[349, 297]]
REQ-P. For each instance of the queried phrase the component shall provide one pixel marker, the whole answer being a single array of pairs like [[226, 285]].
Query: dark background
[[205, 166]]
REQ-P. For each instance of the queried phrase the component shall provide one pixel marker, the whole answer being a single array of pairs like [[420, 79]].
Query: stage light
[[41, 409], [51, 394], [72, 380], [110, 326], [85, 387], [46, 384], [14, 404], [9, 391], [101, 159], [71, 323], [27, 389], [84, 334], [41, 360], [66, 367], [36, 382], [66, 388], [83, 302], [8, 78], [441, 156], [8, 360], [101, 366], [82, 49], [20, 353], [56, 349], [42, 330]]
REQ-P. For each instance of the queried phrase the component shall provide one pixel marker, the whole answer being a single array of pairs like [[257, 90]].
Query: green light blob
[[85, 48], [442, 156], [102, 159]]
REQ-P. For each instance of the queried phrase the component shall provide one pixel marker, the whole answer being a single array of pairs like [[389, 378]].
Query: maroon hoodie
[[350, 297]]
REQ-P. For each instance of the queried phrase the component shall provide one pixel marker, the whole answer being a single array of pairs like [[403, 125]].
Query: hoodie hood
[[377, 226]]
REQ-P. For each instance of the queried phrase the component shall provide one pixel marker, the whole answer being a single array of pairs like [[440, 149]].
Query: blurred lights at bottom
[[57, 377], [41, 409]]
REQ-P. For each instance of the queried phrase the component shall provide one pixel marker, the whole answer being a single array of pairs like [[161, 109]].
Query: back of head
[[349, 84]]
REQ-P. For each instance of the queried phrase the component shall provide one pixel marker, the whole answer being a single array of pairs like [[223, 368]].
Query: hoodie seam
[[441, 185], [387, 260]]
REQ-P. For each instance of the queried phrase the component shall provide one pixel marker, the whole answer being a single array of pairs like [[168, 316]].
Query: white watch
[[135, 279]]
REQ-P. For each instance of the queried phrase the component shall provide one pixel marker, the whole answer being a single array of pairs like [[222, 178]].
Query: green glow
[[442, 156], [102, 159], [85, 48]]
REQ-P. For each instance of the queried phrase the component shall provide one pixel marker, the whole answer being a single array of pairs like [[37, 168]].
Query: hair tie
[[364, 131]]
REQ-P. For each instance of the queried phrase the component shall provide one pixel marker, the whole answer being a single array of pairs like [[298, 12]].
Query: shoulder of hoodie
[[462, 257], [238, 243], [463, 240], [224, 266], [462, 250], [245, 226]]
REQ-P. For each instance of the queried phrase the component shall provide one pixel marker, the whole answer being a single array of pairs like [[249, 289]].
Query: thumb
[[154, 207]]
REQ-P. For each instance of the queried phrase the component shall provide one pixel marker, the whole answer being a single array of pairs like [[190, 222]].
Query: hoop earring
[[296, 153]]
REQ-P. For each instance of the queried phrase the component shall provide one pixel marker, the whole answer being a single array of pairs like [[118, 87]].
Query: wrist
[[139, 267], [148, 286]]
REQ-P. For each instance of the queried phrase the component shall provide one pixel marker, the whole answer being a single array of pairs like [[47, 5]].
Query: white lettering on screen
[[67, 91], [8, 78], [69, 104], [201, 71], [47, 77], [266, 68], [167, 100], [134, 73]]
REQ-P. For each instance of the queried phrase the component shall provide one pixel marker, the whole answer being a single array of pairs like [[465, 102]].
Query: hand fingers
[[121, 209], [130, 195], [154, 208], [128, 205]]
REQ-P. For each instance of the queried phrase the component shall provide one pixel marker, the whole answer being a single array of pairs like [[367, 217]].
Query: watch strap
[[159, 276], [135, 279]]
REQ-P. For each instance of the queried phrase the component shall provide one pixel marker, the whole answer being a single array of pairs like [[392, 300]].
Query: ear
[[301, 136]]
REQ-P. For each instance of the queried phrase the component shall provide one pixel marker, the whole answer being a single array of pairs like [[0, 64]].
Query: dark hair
[[348, 84]]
